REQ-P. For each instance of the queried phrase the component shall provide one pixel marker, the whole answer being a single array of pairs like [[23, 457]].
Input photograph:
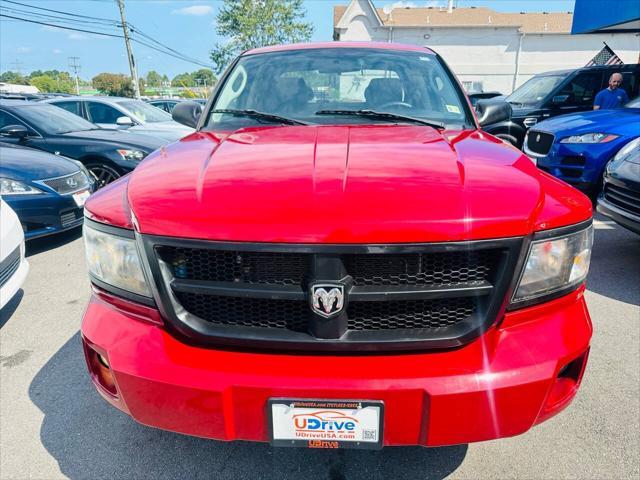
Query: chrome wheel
[[103, 174]]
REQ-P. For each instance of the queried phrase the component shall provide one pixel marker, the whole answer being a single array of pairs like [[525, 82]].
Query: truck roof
[[313, 45]]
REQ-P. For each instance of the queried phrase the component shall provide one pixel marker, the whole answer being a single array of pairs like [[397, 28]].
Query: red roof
[[308, 46]]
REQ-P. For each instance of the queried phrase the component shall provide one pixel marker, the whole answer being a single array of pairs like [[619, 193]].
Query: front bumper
[[580, 165], [12, 278], [45, 214], [499, 385], [626, 219]]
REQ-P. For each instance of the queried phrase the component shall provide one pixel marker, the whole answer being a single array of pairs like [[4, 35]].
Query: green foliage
[[188, 94], [14, 78], [258, 23], [204, 76], [183, 80], [44, 83], [154, 79], [115, 84]]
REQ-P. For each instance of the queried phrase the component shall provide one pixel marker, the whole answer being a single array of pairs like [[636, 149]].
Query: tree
[[203, 77], [115, 84], [44, 83], [13, 77], [258, 23], [183, 80], [154, 79]]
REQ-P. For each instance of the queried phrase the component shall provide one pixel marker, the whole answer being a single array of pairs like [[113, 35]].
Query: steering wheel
[[394, 104]]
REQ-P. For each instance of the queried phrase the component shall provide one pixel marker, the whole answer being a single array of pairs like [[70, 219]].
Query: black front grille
[[236, 266], [539, 142], [444, 268], [410, 314], [69, 217], [248, 312], [68, 184], [9, 266], [573, 160], [623, 198], [395, 296]]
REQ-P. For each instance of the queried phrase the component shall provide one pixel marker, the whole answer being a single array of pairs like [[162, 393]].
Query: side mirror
[[560, 99], [15, 131], [492, 111], [187, 113], [124, 122]]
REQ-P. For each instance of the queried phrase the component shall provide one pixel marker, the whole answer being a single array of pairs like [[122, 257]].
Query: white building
[[13, 88], [487, 50]]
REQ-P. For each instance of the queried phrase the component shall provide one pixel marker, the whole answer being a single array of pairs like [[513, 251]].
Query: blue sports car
[[46, 191], [576, 147]]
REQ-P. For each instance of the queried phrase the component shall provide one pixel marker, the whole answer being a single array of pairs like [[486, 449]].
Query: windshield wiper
[[383, 115], [260, 116]]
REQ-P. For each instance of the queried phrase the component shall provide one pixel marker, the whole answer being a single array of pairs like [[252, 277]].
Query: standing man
[[613, 96]]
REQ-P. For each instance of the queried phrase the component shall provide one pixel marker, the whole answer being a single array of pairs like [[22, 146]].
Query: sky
[[187, 26]]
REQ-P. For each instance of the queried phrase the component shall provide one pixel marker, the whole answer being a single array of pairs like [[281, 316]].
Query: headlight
[[629, 153], [83, 169], [114, 260], [590, 138], [14, 187], [131, 155], [555, 265]]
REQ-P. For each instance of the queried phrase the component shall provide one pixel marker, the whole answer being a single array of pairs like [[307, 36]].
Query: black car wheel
[[508, 138], [103, 174]]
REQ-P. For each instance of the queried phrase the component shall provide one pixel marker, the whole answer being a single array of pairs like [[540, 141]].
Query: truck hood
[[342, 184]]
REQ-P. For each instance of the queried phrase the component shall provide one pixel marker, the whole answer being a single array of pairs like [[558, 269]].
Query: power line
[[159, 47], [61, 12], [60, 26]]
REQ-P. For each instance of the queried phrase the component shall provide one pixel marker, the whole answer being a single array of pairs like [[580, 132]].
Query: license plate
[[326, 423], [81, 197]]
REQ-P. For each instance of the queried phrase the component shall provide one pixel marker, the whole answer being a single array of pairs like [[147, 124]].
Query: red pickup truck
[[338, 257]]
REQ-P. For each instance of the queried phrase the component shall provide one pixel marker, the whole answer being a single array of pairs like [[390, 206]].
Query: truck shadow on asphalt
[[615, 263], [42, 244], [11, 306], [90, 439]]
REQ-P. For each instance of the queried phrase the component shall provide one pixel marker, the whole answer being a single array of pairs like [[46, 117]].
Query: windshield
[[144, 112], [635, 103], [54, 120], [296, 84], [535, 90]]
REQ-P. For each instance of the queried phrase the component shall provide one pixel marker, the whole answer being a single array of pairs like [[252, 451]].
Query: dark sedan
[[620, 198], [107, 154], [46, 191]]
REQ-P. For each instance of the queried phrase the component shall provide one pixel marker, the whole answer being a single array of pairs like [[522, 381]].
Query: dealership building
[[487, 50]]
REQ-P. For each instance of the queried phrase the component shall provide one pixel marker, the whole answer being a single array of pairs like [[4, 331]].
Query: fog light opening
[[564, 387], [103, 361], [100, 371]]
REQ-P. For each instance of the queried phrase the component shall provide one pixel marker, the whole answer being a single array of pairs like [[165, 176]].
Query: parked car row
[[554, 122], [120, 113], [167, 104], [46, 191], [556, 93], [107, 154]]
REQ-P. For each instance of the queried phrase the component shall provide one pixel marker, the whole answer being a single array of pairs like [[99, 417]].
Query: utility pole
[[75, 66], [18, 64], [132, 62]]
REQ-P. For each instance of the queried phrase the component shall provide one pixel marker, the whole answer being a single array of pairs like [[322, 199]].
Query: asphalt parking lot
[[54, 425]]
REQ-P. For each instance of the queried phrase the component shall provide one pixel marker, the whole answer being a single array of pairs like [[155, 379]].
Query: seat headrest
[[383, 90]]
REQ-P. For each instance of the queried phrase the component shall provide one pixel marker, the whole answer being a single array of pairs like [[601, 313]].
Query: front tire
[[508, 138], [103, 173]]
